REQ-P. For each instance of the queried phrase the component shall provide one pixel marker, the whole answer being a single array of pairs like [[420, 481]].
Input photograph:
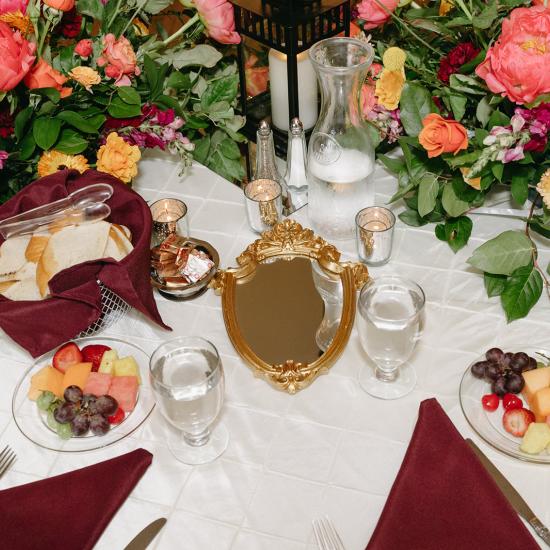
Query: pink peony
[[375, 12], [16, 57], [3, 156], [516, 66], [120, 60], [11, 6], [84, 48], [219, 20]]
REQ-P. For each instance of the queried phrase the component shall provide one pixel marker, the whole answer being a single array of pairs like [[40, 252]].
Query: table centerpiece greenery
[[464, 89], [91, 83]]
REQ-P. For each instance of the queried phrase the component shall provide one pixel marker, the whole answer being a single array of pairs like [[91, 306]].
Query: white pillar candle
[[307, 90]]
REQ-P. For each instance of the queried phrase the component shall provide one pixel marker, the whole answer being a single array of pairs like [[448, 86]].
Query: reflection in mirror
[[281, 314]]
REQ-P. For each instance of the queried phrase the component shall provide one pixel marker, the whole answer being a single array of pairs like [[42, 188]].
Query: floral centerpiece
[[89, 84], [464, 89]]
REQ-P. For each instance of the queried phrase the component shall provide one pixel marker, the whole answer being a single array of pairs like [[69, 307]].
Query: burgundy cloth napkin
[[70, 510], [40, 326], [444, 498]]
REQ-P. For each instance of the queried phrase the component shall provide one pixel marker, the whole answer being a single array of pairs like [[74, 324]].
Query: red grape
[[106, 405], [99, 424]]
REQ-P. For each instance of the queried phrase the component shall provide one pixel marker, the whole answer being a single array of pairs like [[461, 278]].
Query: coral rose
[[85, 76], [11, 6], [16, 57], [440, 135], [256, 77], [219, 20], [43, 75], [84, 48], [61, 5], [119, 60], [118, 158], [516, 66], [375, 12]]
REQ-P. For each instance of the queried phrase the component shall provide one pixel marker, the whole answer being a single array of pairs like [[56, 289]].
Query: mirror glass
[[289, 309]]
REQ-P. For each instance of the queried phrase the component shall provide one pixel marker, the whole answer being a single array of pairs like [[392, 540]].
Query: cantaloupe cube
[[536, 438], [540, 404], [535, 380], [76, 375], [46, 379], [127, 366]]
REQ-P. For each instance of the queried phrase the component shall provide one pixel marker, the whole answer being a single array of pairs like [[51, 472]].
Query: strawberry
[[116, 418], [93, 354], [511, 401], [67, 355], [490, 402], [516, 421]]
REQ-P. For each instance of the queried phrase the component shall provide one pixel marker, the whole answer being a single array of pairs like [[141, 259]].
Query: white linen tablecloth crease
[[331, 449]]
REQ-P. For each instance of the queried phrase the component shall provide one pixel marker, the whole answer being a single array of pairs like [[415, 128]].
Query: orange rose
[[61, 5], [440, 135], [118, 158], [43, 75]]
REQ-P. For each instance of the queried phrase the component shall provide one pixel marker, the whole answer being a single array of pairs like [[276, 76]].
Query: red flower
[[6, 123], [70, 25], [458, 56]]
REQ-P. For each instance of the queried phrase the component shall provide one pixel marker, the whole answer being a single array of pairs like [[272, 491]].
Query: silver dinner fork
[[326, 536], [7, 458]]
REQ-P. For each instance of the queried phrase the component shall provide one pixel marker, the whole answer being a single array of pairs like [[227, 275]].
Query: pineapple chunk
[[127, 366], [107, 364], [536, 438]]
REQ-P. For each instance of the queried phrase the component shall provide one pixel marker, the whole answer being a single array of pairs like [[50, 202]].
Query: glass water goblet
[[390, 320], [187, 378]]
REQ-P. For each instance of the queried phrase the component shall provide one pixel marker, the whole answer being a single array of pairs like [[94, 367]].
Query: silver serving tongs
[[81, 206]]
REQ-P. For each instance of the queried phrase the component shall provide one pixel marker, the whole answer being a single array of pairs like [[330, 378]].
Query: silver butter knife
[[142, 540], [514, 498]]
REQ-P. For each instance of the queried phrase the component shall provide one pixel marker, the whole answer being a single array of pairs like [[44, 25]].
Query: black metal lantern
[[289, 27]]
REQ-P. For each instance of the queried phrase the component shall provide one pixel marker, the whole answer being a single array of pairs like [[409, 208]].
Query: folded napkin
[[443, 498], [40, 326], [70, 510]]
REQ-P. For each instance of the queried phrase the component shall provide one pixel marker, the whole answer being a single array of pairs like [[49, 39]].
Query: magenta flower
[[3, 156]]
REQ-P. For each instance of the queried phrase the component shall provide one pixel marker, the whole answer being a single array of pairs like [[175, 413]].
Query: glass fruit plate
[[32, 422], [488, 425]]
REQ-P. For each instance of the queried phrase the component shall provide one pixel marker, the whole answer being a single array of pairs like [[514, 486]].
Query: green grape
[[51, 421], [64, 431], [45, 400]]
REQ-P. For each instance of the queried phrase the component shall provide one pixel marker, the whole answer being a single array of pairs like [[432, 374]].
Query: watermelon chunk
[[97, 383], [124, 389]]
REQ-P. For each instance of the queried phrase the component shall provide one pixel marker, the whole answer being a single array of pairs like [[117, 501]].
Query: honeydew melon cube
[[108, 362], [127, 366], [536, 438]]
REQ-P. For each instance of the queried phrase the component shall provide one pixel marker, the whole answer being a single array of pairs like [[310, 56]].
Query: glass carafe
[[341, 152]]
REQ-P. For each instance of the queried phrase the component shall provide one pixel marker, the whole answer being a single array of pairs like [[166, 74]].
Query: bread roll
[[25, 288], [12, 255], [118, 245], [36, 246]]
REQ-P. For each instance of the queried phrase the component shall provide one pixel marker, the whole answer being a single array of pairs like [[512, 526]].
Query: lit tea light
[[169, 217], [262, 190], [374, 226], [264, 204]]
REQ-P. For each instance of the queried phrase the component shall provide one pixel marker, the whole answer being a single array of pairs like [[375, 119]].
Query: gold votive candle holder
[[264, 204], [169, 217]]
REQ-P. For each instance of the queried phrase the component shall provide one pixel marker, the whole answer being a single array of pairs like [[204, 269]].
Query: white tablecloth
[[331, 449]]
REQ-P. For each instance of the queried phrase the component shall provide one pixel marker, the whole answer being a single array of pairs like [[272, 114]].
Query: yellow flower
[[118, 158], [52, 161], [16, 20], [543, 188], [445, 7], [472, 182], [85, 76], [140, 28], [392, 78]]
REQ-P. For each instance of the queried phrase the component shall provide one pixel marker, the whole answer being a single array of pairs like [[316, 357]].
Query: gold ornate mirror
[[289, 306]]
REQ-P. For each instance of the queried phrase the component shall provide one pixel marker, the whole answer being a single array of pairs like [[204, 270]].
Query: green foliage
[[521, 292]]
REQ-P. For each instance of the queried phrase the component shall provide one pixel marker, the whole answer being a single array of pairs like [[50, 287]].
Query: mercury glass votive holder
[[374, 230], [264, 204], [169, 216]]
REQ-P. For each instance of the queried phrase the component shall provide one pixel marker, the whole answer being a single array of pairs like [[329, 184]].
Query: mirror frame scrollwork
[[287, 240]]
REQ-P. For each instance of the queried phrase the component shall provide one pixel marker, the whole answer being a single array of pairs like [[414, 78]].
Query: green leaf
[[459, 22], [27, 146], [520, 185], [548, 268], [179, 81], [486, 18], [79, 122], [402, 192], [93, 8], [458, 105], [428, 189], [129, 95], [481, 134], [498, 119], [156, 6], [230, 149], [45, 132], [411, 217], [202, 55], [451, 203], [71, 142], [150, 71], [415, 104], [393, 165], [21, 121], [455, 232], [483, 111], [169, 102], [202, 147], [466, 84], [224, 89], [522, 292], [51, 93], [461, 160], [540, 229], [120, 109], [497, 169], [494, 284], [195, 122], [503, 254]]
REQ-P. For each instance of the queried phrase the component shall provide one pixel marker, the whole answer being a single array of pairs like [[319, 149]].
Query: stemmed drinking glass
[[390, 319], [187, 378]]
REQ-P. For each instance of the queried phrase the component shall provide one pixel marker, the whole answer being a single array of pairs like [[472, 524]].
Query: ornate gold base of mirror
[[287, 241]]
